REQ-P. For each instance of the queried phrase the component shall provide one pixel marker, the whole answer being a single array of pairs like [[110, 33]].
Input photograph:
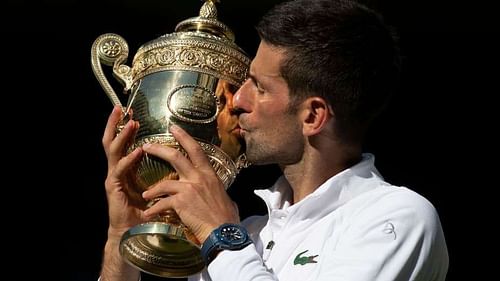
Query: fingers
[[115, 145], [192, 147], [179, 162], [164, 187], [124, 165], [166, 190], [184, 166], [110, 131], [128, 161], [118, 146]]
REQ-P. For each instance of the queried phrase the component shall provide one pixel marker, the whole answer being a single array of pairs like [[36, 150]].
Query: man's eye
[[259, 88], [257, 85]]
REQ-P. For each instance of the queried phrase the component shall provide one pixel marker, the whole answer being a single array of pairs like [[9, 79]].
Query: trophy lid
[[206, 22], [202, 44]]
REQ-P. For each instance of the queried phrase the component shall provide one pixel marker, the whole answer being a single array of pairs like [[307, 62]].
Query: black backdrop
[[432, 138]]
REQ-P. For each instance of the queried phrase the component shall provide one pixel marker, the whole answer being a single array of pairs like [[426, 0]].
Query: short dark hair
[[339, 50]]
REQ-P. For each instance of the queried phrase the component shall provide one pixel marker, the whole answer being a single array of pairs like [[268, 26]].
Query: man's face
[[272, 133], [227, 121]]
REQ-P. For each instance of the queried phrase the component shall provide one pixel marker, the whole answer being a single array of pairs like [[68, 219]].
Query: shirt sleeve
[[245, 265]]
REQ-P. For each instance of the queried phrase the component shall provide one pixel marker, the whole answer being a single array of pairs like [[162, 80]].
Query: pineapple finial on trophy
[[208, 9], [207, 22]]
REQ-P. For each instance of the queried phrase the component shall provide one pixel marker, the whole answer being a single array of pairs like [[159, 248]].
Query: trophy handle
[[112, 50]]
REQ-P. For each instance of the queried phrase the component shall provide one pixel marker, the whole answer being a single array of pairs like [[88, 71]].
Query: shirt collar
[[333, 193]]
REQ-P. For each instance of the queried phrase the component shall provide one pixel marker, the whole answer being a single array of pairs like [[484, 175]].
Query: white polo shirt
[[354, 227]]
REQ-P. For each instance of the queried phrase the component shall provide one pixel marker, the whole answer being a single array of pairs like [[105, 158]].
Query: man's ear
[[316, 113]]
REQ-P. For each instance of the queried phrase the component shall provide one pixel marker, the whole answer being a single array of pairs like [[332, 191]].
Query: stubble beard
[[283, 146], [284, 151]]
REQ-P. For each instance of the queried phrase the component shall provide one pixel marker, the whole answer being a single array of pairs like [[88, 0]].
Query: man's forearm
[[114, 267]]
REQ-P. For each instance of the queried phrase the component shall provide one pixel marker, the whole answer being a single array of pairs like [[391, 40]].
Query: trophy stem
[[162, 249], [165, 246]]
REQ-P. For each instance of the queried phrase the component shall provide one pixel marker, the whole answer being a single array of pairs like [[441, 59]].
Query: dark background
[[437, 136]]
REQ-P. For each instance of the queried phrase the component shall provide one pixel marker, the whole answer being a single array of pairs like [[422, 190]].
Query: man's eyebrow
[[254, 78]]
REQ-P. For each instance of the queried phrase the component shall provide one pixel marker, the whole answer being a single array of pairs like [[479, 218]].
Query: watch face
[[232, 234]]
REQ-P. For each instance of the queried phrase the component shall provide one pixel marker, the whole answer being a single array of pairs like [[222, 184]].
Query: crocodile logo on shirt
[[303, 260]]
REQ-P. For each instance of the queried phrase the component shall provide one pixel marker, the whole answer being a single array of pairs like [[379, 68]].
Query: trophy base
[[161, 249]]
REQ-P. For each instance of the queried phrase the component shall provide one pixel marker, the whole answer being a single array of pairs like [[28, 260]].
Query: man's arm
[[114, 266], [123, 214]]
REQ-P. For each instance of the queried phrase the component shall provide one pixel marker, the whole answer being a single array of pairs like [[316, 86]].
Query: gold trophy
[[178, 78]]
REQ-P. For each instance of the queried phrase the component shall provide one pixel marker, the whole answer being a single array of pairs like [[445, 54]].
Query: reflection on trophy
[[179, 78]]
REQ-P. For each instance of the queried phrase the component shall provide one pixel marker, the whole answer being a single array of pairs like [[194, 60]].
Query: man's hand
[[125, 205], [198, 196], [124, 208]]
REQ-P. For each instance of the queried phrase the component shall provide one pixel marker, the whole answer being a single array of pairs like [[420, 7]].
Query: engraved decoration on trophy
[[177, 78]]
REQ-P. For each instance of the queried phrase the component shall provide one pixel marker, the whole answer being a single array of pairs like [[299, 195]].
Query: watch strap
[[210, 249], [215, 243]]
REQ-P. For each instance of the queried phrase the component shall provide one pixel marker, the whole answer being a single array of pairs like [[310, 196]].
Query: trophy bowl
[[178, 78]]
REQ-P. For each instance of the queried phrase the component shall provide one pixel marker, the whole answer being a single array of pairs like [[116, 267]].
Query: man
[[323, 70], [227, 121]]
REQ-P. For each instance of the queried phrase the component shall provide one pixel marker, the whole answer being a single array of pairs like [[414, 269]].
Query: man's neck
[[317, 167]]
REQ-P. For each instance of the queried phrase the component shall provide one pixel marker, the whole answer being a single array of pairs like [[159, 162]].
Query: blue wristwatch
[[225, 237]]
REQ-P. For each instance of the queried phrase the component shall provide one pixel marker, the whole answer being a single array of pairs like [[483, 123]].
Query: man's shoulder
[[403, 197], [396, 203]]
